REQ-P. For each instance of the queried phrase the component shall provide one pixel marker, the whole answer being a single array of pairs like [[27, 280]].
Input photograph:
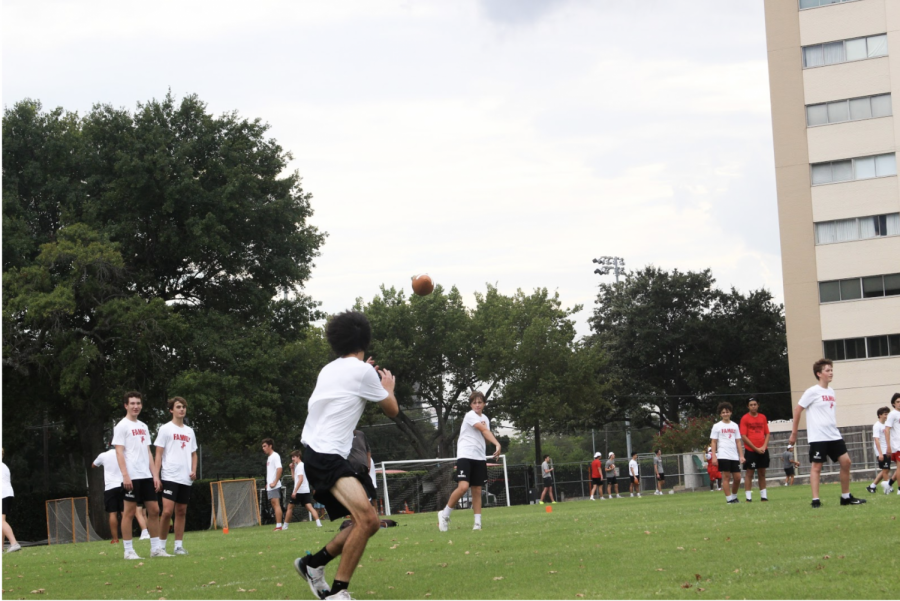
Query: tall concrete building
[[834, 76]]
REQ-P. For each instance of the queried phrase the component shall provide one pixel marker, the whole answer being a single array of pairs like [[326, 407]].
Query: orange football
[[422, 285]]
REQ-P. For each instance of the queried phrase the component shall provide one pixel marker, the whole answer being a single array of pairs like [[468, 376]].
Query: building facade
[[834, 77]]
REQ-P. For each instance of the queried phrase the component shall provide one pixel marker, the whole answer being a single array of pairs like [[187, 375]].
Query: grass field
[[676, 546]]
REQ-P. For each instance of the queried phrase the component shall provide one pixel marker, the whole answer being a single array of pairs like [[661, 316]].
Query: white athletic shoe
[[887, 488], [602, 498], [131, 554], [180, 551], [639, 495], [14, 548], [315, 578], [160, 552], [284, 526], [632, 494], [476, 527], [443, 522], [593, 499], [340, 595], [618, 496], [145, 535]]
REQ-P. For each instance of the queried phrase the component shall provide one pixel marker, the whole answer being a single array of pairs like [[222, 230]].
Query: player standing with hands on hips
[[343, 388], [176, 456], [471, 466], [824, 438]]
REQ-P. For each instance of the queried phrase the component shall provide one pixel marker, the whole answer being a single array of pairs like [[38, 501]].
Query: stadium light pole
[[615, 265]]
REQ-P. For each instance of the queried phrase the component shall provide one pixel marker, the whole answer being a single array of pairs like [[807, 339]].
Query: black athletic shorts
[[885, 464], [114, 500], [302, 498], [596, 481], [756, 461], [832, 449], [548, 482], [661, 476], [611, 480], [473, 471], [7, 505], [142, 491], [729, 466], [175, 491], [323, 471], [789, 471]]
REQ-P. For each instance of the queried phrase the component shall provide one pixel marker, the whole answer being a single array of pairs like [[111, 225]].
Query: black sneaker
[[314, 577], [817, 503], [852, 501], [764, 500], [749, 500], [871, 488], [733, 501]]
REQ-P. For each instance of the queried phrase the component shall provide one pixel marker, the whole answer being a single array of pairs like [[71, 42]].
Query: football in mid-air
[[422, 285]]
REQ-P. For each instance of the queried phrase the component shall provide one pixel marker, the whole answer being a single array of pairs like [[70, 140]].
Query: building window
[[851, 109], [848, 170], [857, 228], [870, 347], [876, 286], [844, 51], [816, 3]]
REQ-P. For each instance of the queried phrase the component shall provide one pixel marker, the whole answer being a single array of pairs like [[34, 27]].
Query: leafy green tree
[[692, 434], [145, 250], [676, 342]]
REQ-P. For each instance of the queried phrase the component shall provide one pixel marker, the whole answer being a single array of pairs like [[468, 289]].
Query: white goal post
[[422, 485]]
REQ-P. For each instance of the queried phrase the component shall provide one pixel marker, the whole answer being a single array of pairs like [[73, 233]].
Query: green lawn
[[676, 546]]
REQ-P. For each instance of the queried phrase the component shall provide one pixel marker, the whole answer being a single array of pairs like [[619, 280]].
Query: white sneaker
[[340, 595], [593, 499], [131, 554], [160, 552], [284, 526], [14, 548], [639, 495], [632, 494], [145, 535], [886, 488], [180, 551], [602, 498], [476, 527], [315, 578], [618, 496], [443, 522]]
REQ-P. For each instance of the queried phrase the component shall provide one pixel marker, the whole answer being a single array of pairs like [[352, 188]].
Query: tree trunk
[[538, 457], [412, 434]]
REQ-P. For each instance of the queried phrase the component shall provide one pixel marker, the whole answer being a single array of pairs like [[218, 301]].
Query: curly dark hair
[[724, 405], [348, 332]]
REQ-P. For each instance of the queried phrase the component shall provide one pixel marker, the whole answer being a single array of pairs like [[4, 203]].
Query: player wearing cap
[[176, 455], [822, 433], [892, 431], [727, 451], [471, 467], [597, 476], [140, 475], [612, 476], [658, 470], [789, 464], [883, 459], [755, 437]]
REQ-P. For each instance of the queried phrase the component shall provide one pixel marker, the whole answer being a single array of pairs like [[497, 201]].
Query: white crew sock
[[318, 523], [845, 495], [446, 511], [129, 545], [145, 532], [749, 495], [278, 525], [179, 544], [762, 494], [478, 519], [154, 543]]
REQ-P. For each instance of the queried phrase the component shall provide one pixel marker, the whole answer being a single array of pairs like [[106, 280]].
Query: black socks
[[319, 559], [339, 585]]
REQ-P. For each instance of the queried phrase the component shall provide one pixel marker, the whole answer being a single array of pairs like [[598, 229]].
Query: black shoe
[[764, 500], [852, 501], [733, 501], [749, 500], [817, 503], [870, 488]]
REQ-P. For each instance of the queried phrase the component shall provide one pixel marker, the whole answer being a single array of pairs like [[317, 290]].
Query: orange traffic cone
[[549, 509]]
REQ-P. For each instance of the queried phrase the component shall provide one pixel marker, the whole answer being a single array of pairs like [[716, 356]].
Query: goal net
[[68, 521], [234, 504], [423, 485]]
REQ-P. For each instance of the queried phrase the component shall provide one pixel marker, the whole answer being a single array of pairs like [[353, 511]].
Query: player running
[[597, 476], [471, 467], [342, 390], [274, 470], [176, 454], [727, 452], [822, 433], [300, 493], [880, 443], [892, 428], [755, 438], [140, 477]]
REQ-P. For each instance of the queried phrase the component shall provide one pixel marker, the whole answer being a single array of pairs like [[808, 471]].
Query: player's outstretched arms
[[389, 405], [488, 436]]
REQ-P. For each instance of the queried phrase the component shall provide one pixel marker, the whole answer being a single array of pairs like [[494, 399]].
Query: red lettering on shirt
[[183, 437]]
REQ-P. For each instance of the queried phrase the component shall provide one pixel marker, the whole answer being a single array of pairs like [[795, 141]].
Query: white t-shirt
[[300, 472], [878, 434], [272, 465], [372, 472], [471, 443], [5, 482], [112, 475], [821, 423], [178, 444], [893, 422], [727, 435], [633, 468], [342, 389], [134, 436]]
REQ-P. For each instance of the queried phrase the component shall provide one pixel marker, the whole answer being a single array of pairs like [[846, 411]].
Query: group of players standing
[[609, 476]]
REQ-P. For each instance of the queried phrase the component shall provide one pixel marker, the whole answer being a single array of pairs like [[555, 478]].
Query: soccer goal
[[68, 521], [234, 504], [422, 485]]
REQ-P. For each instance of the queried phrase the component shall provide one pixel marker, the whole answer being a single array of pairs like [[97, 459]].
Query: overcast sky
[[480, 141]]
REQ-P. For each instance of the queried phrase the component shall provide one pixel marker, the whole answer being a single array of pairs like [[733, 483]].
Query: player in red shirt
[[596, 476], [755, 435]]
